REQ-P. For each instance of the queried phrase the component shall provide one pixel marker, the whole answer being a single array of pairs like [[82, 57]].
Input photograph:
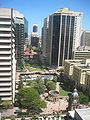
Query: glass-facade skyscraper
[[25, 27], [35, 36], [21, 32], [35, 28], [63, 35]]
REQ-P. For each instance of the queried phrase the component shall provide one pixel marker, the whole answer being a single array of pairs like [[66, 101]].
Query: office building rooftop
[[84, 114], [66, 11], [80, 114]]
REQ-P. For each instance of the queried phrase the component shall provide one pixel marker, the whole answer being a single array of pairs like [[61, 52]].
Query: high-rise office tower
[[7, 55], [25, 27], [21, 31], [64, 35], [12, 34], [35, 36], [44, 42], [19, 37], [26, 41], [85, 38], [35, 28]]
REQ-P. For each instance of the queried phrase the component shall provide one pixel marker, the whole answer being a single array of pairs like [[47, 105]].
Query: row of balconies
[[5, 74], [5, 52], [5, 40], [6, 89], [5, 79], [5, 84], [5, 58], [5, 68], [5, 46], [5, 93], [5, 22], [5, 29], [5, 63], [6, 35]]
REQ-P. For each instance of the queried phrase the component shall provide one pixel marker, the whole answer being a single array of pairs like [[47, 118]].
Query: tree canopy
[[6, 104], [50, 85], [41, 86], [83, 99], [29, 98], [38, 85]]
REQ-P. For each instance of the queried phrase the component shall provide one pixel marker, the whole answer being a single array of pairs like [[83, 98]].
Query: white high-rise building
[[7, 55]]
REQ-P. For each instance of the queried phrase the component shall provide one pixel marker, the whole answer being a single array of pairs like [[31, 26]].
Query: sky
[[36, 10]]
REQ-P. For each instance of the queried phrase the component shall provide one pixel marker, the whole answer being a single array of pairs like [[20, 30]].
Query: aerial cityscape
[[44, 60]]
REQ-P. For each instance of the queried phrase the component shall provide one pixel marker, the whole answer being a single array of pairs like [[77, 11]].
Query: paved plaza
[[57, 106], [60, 105]]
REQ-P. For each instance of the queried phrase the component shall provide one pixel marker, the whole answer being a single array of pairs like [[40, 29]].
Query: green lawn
[[63, 92], [36, 69], [33, 67]]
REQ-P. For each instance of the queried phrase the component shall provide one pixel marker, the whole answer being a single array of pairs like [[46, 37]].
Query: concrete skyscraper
[[64, 35], [85, 38], [12, 34], [7, 55], [44, 42]]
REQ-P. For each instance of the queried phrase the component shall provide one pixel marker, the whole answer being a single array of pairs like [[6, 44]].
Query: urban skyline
[[36, 11], [45, 75], [64, 29]]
